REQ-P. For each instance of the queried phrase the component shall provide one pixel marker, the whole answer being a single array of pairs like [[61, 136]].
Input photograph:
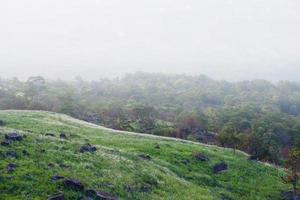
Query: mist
[[224, 39]]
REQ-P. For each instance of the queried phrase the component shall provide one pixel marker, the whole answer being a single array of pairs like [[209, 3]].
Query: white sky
[[225, 39]]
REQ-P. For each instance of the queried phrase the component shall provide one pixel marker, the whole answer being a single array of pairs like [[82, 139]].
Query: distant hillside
[[264, 117], [42, 154]]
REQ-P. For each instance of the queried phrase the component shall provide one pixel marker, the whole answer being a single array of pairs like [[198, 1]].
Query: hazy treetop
[[225, 39]]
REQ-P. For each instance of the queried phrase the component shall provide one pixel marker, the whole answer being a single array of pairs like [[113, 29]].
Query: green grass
[[116, 167]]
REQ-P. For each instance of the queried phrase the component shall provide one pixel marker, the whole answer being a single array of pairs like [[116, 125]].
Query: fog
[[224, 39]]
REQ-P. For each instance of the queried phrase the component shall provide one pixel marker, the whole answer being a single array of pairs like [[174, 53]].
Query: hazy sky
[[225, 39]]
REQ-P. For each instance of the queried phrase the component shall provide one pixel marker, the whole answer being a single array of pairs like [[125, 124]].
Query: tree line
[[258, 117]]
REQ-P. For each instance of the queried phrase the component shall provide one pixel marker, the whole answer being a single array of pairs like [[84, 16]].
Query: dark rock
[[144, 157], [50, 134], [63, 136], [186, 162], [220, 167], [57, 197], [253, 158], [5, 143], [157, 146], [11, 167], [12, 154], [200, 157], [129, 188], [74, 184], [145, 188], [2, 123], [62, 165], [57, 177], [51, 165], [87, 148], [287, 195], [297, 198], [98, 195], [25, 153], [13, 137]]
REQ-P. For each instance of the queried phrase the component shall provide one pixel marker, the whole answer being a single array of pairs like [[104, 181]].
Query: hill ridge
[[126, 165]]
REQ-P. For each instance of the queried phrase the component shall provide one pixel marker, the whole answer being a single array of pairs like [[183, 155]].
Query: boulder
[[99, 195], [87, 148], [57, 197], [13, 137], [200, 157], [220, 167], [144, 157], [11, 167], [74, 184], [2, 123]]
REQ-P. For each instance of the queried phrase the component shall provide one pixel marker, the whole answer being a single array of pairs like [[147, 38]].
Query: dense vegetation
[[255, 116], [124, 165]]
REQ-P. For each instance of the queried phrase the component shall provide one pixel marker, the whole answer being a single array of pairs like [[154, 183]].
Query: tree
[[229, 138], [35, 86], [293, 164], [145, 116]]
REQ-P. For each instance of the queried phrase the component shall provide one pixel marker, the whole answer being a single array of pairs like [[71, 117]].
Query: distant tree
[[293, 164], [229, 138], [35, 86], [145, 116]]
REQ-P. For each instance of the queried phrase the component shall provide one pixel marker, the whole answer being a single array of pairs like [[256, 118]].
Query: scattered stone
[[74, 184], [5, 143], [220, 167], [87, 148], [144, 157], [128, 188], [11, 167], [92, 194], [51, 165], [287, 195], [12, 154], [186, 162], [57, 197], [25, 153], [253, 158], [145, 188], [200, 157], [63, 136], [57, 178], [13, 137], [62, 165], [50, 134]]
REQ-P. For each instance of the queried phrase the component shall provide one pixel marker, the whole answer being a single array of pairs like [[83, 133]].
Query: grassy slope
[[116, 167]]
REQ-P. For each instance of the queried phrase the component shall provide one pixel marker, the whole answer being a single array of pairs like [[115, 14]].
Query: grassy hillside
[[125, 165]]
